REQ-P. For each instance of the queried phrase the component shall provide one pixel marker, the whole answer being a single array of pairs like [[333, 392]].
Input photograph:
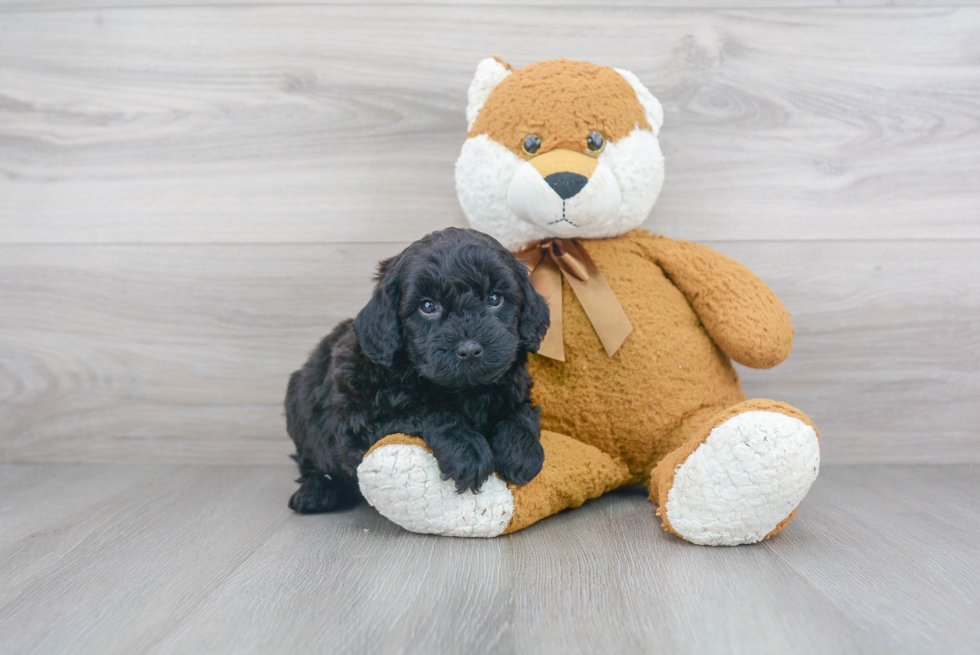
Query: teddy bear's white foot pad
[[744, 480], [404, 484]]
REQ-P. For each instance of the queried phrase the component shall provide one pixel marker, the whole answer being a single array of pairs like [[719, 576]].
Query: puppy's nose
[[469, 350], [565, 184]]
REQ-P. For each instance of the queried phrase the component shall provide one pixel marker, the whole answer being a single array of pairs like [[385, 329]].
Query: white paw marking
[[750, 474], [404, 484]]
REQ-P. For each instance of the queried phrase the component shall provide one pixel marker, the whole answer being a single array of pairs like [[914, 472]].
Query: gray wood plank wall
[[191, 194]]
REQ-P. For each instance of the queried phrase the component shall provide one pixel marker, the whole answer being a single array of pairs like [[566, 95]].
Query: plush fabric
[[559, 100], [562, 102], [666, 409], [573, 473]]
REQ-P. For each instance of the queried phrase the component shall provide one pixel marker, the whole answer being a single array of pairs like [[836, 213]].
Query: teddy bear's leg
[[739, 476], [400, 477]]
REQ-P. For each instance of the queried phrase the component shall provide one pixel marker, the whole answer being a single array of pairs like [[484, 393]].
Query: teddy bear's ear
[[651, 106], [489, 73]]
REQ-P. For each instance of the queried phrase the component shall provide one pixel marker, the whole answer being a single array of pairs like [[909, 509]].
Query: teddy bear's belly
[[668, 367]]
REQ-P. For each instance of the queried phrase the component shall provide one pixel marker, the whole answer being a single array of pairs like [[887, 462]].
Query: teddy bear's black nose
[[469, 350], [566, 185]]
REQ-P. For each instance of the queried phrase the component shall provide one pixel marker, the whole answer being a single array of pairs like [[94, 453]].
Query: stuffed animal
[[562, 163]]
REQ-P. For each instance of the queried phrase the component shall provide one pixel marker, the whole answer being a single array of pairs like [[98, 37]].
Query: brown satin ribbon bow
[[551, 259]]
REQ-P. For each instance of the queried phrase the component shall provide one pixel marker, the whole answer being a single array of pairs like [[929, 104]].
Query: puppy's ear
[[377, 325], [535, 317]]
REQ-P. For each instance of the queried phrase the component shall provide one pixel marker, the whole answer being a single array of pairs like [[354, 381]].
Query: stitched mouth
[[563, 219]]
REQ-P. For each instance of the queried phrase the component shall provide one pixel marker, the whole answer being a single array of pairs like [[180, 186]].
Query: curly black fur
[[440, 353]]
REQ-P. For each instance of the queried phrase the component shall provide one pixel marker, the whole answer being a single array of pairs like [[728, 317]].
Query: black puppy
[[440, 353]]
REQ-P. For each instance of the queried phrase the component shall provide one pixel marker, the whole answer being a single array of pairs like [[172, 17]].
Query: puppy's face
[[456, 306], [460, 316]]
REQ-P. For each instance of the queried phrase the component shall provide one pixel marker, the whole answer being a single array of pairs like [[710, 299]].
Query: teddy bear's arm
[[742, 314]]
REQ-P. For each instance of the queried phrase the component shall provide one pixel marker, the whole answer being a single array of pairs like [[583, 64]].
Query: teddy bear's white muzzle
[[565, 204]]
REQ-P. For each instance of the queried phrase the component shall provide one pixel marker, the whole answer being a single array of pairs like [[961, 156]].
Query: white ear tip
[[489, 73], [651, 106], [490, 63]]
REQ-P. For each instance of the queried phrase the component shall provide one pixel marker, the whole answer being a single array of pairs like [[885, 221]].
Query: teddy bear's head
[[558, 149]]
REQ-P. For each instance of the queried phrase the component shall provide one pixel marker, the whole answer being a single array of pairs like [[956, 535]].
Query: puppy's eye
[[532, 143], [429, 307], [495, 300], [595, 142]]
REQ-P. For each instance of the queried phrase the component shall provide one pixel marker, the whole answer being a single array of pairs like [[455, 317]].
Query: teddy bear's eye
[[532, 143], [595, 142]]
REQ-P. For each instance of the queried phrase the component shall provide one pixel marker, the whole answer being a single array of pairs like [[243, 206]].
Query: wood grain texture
[[37, 496], [336, 123], [614, 560], [181, 353], [915, 530], [251, 162], [208, 559], [145, 557], [165, 353], [60, 5]]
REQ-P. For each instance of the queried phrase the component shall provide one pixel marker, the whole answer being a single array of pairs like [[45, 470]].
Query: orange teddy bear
[[562, 163]]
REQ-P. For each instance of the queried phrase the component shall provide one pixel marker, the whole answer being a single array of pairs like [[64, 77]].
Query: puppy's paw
[[468, 464], [321, 493], [519, 461]]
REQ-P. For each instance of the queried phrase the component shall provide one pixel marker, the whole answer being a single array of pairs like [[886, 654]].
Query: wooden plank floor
[[106, 558]]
